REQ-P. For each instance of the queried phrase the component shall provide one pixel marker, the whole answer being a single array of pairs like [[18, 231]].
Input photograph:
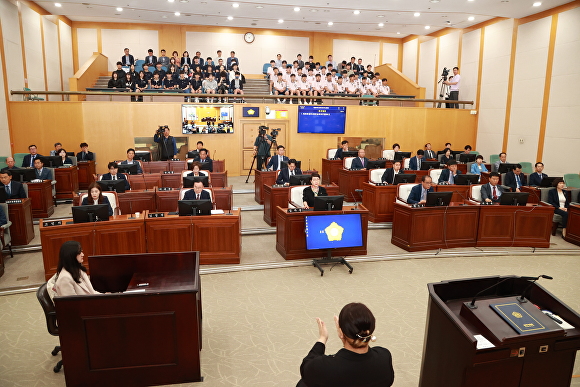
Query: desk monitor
[[467, 179], [404, 178], [51, 161], [349, 154], [142, 155], [91, 213], [427, 165], [505, 167], [300, 179], [375, 164], [328, 203], [548, 181], [3, 195], [284, 164], [129, 169], [23, 174], [333, 231], [189, 180], [71, 154], [112, 185], [194, 207], [193, 154], [467, 158], [399, 156], [435, 199], [514, 198]]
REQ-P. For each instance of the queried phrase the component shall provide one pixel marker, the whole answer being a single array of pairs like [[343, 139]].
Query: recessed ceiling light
[[380, 15], [356, 12], [280, 20], [313, 10], [537, 4], [427, 27], [417, 14], [235, 5], [184, 1], [381, 24], [177, 13], [471, 18], [164, 17], [57, 4], [171, 1], [230, 18], [119, 9], [434, 1], [398, 33], [470, 0], [330, 23], [259, 6], [296, 9]]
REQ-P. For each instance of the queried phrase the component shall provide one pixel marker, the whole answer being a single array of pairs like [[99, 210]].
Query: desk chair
[[389, 154], [53, 182], [19, 158], [50, 315], [211, 196], [556, 219], [572, 180], [3, 162], [31, 97], [526, 167], [295, 195], [347, 162], [5, 232], [375, 175], [331, 153], [403, 192], [113, 199], [475, 193], [435, 173], [406, 163]]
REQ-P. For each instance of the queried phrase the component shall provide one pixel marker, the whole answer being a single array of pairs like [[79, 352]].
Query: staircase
[[102, 81]]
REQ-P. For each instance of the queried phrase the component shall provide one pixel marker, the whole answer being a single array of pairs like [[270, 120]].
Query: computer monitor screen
[[402, 155], [130, 169], [300, 180], [193, 154], [328, 203], [427, 165], [467, 158], [194, 207], [438, 198], [404, 178], [189, 180], [321, 119], [284, 164], [375, 164], [112, 185], [349, 154], [23, 174], [71, 154], [333, 231], [549, 181], [514, 198], [506, 167], [466, 179], [92, 213], [142, 155], [51, 161]]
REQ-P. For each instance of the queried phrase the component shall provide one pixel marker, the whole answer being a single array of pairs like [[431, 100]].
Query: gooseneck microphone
[[359, 192], [521, 298], [472, 305]]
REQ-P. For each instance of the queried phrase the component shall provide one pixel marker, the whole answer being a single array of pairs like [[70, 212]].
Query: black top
[[346, 368], [308, 195]]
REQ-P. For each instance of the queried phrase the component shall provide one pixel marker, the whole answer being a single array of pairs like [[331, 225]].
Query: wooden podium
[[41, 196], [330, 170], [349, 181], [20, 214], [261, 178], [453, 358], [67, 182], [86, 170], [380, 201], [573, 229]]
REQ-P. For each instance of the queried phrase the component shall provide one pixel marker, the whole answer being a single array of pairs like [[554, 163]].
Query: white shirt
[[279, 84], [456, 78], [384, 90], [304, 85], [292, 85]]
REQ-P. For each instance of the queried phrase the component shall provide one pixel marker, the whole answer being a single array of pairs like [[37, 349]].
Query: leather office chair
[[51, 321], [5, 238], [211, 197], [475, 193], [295, 195], [113, 199], [375, 175], [406, 163], [403, 192], [435, 173], [389, 154], [74, 160], [556, 219], [53, 182], [575, 196], [331, 153], [347, 162]]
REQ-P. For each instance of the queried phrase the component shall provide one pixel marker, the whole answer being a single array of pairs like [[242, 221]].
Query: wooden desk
[[261, 178], [41, 196], [572, 229], [137, 201], [348, 181], [177, 166], [219, 179], [278, 197], [223, 197], [86, 170], [428, 228], [460, 192], [291, 238], [216, 237], [119, 235], [145, 181], [219, 165], [172, 180], [534, 192], [330, 170], [67, 182], [167, 200], [22, 230], [155, 166], [380, 201], [151, 337]]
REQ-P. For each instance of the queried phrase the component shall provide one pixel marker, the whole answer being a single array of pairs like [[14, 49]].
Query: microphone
[[144, 183], [359, 192], [472, 305], [131, 210], [521, 298]]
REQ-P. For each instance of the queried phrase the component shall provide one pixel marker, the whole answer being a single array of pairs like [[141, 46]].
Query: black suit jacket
[[131, 60], [430, 154], [87, 156], [487, 193], [190, 195], [356, 163], [85, 202], [284, 175], [510, 180], [338, 154], [26, 161], [16, 190], [308, 195], [415, 195], [274, 161], [554, 200], [207, 165], [444, 177], [535, 178], [44, 175], [389, 175], [120, 176], [151, 59]]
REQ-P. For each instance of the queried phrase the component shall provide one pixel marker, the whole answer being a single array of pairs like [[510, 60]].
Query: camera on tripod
[[445, 73], [161, 129], [264, 130]]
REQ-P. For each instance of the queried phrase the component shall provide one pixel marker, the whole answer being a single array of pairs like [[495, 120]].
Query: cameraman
[[167, 146], [262, 148], [453, 83]]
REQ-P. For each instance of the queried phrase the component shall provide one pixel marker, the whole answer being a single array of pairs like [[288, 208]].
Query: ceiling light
[[164, 17], [470, 0], [230, 18], [259, 6], [171, 1], [58, 5], [416, 14], [471, 18], [356, 12], [235, 5], [537, 4], [381, 24], [330, 23], [313, 10], [280, 20], [296, 9], [380, 15], [119, 9], [427, 27], [177, 14], [398, 33], [434, 1]]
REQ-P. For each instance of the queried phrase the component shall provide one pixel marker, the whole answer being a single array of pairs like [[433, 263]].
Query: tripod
[[443, 90], [274, 143]]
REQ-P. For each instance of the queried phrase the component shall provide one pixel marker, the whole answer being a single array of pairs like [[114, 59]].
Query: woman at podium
[[312, 191], [71, 277], [357, 364]]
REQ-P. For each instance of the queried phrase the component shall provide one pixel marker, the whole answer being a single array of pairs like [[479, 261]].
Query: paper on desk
[[217, 212], [483, 343]]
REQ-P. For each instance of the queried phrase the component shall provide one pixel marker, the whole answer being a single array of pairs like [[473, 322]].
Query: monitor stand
[[330, 260]]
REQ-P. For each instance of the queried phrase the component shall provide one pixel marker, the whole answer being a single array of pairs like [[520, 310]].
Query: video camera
[[445, 73], [161, 129], [264, 130]]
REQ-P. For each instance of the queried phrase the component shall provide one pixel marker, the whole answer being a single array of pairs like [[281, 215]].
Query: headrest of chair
[[377, 174], [435, 173], [475, 192], [389, 154], [348, 162], [404, 190], [331, 153]]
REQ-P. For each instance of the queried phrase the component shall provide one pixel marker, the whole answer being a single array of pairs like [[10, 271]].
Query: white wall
[[86, 44], [427, 67], [52, 58], [448, 55], [345, 49], [410, 59], [251, 56], [469, 66], [66, 49], [391, 54], [137, 41], [33, 48]]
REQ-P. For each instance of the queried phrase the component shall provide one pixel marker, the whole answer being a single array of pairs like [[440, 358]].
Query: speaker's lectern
[[501, 343]]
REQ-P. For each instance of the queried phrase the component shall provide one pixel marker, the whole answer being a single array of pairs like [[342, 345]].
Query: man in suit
[[343, 148], [515, 179], [130, 161], [231, 60], [359, 162], [285, 173], [127, 59], [418, 193], [275, 163], [447, 146], [85, 154], [204, 160], [389, 175], [448, 175], [10, 164], [115, 175], [197, 193], [150, 59], [28, 161], [3, 219], [57, 147], [415, 162], [536, 177], [492, 191], [429, 153], [41, 172], [13, 189], [502, 159], [167, 145]]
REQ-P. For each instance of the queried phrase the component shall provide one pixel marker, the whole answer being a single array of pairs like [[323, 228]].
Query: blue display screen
[[333, 231], [321, 119]]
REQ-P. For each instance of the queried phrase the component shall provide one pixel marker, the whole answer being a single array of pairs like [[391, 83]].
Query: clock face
[[249, 37]]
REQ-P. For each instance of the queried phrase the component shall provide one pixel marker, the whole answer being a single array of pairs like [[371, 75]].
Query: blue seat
[[265, 69]]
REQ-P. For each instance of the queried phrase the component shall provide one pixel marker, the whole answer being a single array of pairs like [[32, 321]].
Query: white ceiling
[[397, 15]]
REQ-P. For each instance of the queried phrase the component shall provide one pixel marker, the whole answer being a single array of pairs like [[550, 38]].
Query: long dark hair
[[95, 185], [357, 323], [67, 259]]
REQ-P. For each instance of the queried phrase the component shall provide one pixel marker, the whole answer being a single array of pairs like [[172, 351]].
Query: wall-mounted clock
[[249, 37]]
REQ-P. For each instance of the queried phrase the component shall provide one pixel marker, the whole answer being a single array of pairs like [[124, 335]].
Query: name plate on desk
[[13, 201], [52, 223], [380, 184], [164, 189], [290, 210], [175, 160], [168, 172], [156, 215], [517, 317]]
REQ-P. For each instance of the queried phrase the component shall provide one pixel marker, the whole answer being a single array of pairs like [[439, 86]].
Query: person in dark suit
[[3, 219], [96, 196], [65, 159], [41, 172], [536, 177], [559, 200], [447, 156], [28, 161], [10, 164], [359, 162], [343, 148], [312, 191], [231, 60], [448, 175], [115, 175], [492, 191], [204, 160], [415, 162], [195, 169], [429, 153], [389, 175], [85, 154], [418, 194], [275, 163], [150, 59], [13, 189], [515, 179], [130, 160], [197, 193], [127, 59], [285, 173]]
